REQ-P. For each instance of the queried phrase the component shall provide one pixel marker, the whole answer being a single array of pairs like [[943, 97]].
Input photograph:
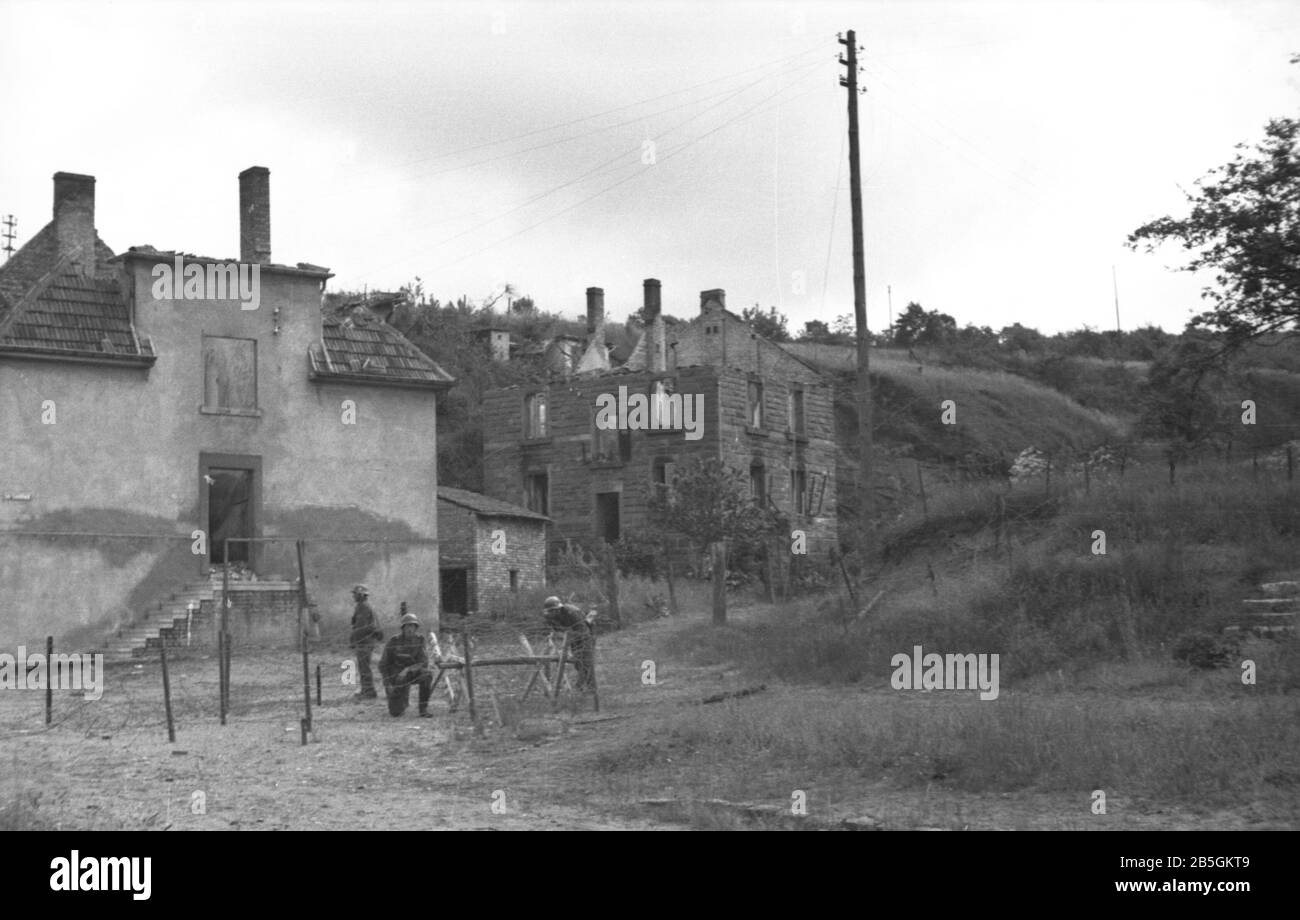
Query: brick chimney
[[656, 358], [595, 312], [717, 295], [74, 218], [255, 215]]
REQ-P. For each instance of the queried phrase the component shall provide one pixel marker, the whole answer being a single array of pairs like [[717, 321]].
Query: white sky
[[1008, 148]]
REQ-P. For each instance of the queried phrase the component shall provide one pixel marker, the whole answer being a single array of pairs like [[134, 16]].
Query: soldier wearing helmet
[[567, 618], [405, 662], [366, 634]]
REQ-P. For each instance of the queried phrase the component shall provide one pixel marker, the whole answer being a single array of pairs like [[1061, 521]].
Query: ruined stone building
[[490, 551], [765, 413], [145, 418]]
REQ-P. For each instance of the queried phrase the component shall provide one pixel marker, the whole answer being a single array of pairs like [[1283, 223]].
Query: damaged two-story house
[[765, 412], [151, 417]]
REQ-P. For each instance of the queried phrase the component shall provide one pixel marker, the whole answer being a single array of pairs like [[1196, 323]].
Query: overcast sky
[[1007, 148]]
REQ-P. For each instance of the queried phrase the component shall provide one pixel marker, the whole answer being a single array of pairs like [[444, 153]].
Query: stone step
[[1281, 589]]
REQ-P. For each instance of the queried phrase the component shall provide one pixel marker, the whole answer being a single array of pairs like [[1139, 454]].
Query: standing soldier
[[365, 636], [567, 618], [403, 663]]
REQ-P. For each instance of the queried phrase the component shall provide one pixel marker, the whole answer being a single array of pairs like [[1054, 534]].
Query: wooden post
[[848, 585], [559, 674], [223, 624], [221, 672], [720, 583], [469, 681], [611, 581], [672, 588], [49, 679], [306, 727], [318, 685], [769, 569], [933, 587], [920, 481], [306, 685], [595, 694], [167, 693]]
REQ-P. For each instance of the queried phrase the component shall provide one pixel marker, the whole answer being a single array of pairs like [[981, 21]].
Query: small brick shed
[[489, 550]]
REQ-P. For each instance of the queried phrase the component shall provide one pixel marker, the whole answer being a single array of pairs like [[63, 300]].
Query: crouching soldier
[[405, 662], [569, 619]]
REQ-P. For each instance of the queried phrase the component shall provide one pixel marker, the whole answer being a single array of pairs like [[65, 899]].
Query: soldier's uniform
[[365, 636], [568, 618], [405, 662]]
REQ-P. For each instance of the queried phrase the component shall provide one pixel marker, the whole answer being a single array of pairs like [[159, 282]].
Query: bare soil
[[108, 764]]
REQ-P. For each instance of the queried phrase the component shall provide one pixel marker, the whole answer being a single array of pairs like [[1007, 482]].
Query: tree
[[710, 503], [1244, 226], [917, 327], [770, 325]]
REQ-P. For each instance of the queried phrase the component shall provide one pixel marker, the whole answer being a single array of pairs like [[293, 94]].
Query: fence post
[[672, 589], [611, 581], [318, 702], [49, 679], [469, 680], [167, 691], [306, 685], [221, 672]]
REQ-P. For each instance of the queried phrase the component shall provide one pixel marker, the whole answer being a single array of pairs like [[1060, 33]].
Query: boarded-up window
[[758, 484], [535, 415], [755, 416], [536, 492], [229, 373], [796, 422], [607, 524], [799, 490]]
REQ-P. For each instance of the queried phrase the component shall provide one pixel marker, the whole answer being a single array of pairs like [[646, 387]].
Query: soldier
[[403, 663], [365, 636], [567, 618]]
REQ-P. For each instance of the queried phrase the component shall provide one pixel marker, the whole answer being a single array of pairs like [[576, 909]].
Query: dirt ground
[[108, 764]]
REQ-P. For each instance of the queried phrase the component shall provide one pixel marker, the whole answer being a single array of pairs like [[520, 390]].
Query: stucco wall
[[123, 457]]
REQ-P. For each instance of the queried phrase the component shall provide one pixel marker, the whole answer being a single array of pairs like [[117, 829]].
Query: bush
[[1206, 650]]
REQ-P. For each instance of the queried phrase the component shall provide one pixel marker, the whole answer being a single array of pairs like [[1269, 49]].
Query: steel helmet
[[552, 602], [361, 589], [410, 620]]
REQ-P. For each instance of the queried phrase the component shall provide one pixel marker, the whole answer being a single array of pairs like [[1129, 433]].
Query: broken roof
[[63, 313], [487, 507], [359, 347]]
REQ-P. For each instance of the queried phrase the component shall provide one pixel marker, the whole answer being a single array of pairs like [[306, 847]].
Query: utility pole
[[889, 293], [1114, 281], [865, 498], [8, 236]]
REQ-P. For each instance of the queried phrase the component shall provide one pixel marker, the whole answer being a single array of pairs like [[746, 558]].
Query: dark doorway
[[455, 590], [607, 516], [230, 513]]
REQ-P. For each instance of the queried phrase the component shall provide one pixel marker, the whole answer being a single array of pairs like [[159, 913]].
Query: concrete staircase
[[1272, 615], [185, 619]]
